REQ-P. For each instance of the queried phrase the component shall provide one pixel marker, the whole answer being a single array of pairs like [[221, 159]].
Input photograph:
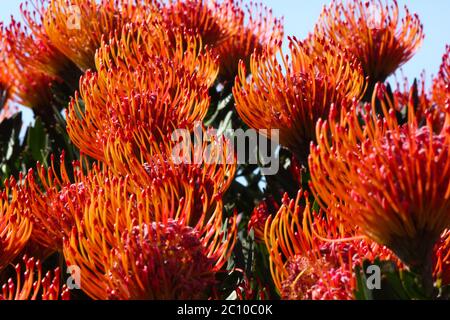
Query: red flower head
[[257, 29], [390, 180], [258, 221], [53, 199], [30, 285], [145, 245], [380, 38], [215, 21], [292, 94], [31, 48], [309, 259], [77, 29], [157, 88], [26, 86], [15, 229]]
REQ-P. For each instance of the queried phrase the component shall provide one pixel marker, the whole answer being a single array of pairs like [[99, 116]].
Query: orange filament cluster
[[390, 180], [208, 166], [292, 94], [77, 30], [32, 49], [15, 229], [143, 83], [313, 256], [214, 21], [124, 236], [27, 87], [379, 36], [257, 29], [31, 285], [54, 198]]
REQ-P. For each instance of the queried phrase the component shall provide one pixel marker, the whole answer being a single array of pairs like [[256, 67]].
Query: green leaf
[[38, 142]]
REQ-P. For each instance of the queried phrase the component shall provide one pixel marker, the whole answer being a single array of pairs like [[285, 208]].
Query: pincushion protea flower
[[293, 94], [391, 181], [377, 34], [27, 87], [53, 199], [77, 29], [210, 163], [257, 29], [215, 21], [145, 245], [32, 49], [158, 87], [31, 286], [15, 229], [309, 259], [137, 42], [441, 85]]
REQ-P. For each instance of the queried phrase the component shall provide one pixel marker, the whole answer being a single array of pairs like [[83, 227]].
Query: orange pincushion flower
[[77, 29], [211, 163], [53, 199], [125, 237], [138, 42], [308, 260], [215, 21], [390, 180], [31, 286], [293, 100], [441, 85], [32, 49], [375, 33], [257, 29], [153, 87], [15, 229], [27, 87]]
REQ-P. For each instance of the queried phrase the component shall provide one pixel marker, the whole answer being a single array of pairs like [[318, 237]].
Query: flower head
[[292, 94], [15, 229], [161, 261], [77, 30], [309, 257], [380, 38], [26, 86], [213, 20], [53, 199], [31, 48], [390, 180], [126, 239], [151, 85], [257, 29]]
